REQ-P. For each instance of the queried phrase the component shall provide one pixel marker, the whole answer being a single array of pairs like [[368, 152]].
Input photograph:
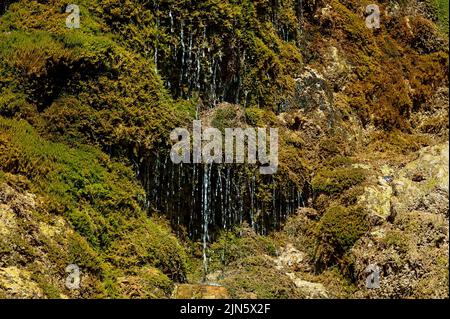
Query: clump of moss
[[336, 180], [232, 246], [226, 117], [337, 231], [146, 242], [245, 280], [144, 284], [396, 239], [259, 117]]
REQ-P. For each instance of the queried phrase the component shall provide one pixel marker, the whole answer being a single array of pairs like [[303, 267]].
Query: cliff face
[[86, 178]]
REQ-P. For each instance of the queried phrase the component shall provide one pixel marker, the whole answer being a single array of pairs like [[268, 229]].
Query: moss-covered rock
[[335, 181], [337, 232]]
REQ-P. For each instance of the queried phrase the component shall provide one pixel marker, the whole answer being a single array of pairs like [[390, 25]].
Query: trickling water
[[198, 59], [203, 199], [171, 21], [206, 212], [183, 49]]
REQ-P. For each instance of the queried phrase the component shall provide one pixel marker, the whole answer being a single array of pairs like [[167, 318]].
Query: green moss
[[443, 14], [231, 247], [246, 280], [441, 9], [395, 145], [98, 89], [82, 86], [225, 117], [330, 146], [337, 231], [50, 290], [158, 283], [145, 242], [259, 117], [337, 180], [340, 161], [144, 283], [300, 230], [99, 198], [396, 238], [256, 61]]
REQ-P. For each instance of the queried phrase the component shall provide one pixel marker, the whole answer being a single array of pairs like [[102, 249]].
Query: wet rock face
[[203, 197], [411, 247]]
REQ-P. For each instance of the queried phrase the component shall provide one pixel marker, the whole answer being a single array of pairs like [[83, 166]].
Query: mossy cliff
[[85, 117]]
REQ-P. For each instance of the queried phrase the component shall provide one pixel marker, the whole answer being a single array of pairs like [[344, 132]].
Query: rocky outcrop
[[409, 244], [35, 250], [292, 262], [309, 290]]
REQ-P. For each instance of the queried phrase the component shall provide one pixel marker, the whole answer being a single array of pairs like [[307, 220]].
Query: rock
[[313, 93], [377, 200], [214, 276], [7, 221], [290, 258], [310, 290], [411, 250], [18, 202], [312, 103], [292, 261], [423, 184], [198, 291], [337, 70]]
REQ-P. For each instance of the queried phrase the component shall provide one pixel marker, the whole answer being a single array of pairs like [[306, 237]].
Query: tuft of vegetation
[[336, 180], [337, 232]]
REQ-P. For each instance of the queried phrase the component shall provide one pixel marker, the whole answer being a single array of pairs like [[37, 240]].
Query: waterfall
[[206, 212], [183, 49], [204, 199]]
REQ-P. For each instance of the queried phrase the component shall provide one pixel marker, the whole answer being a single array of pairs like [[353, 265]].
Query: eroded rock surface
[[411, 249]]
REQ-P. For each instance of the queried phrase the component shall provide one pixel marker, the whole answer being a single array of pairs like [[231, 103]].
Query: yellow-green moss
[[337, 180], [337, 231]]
